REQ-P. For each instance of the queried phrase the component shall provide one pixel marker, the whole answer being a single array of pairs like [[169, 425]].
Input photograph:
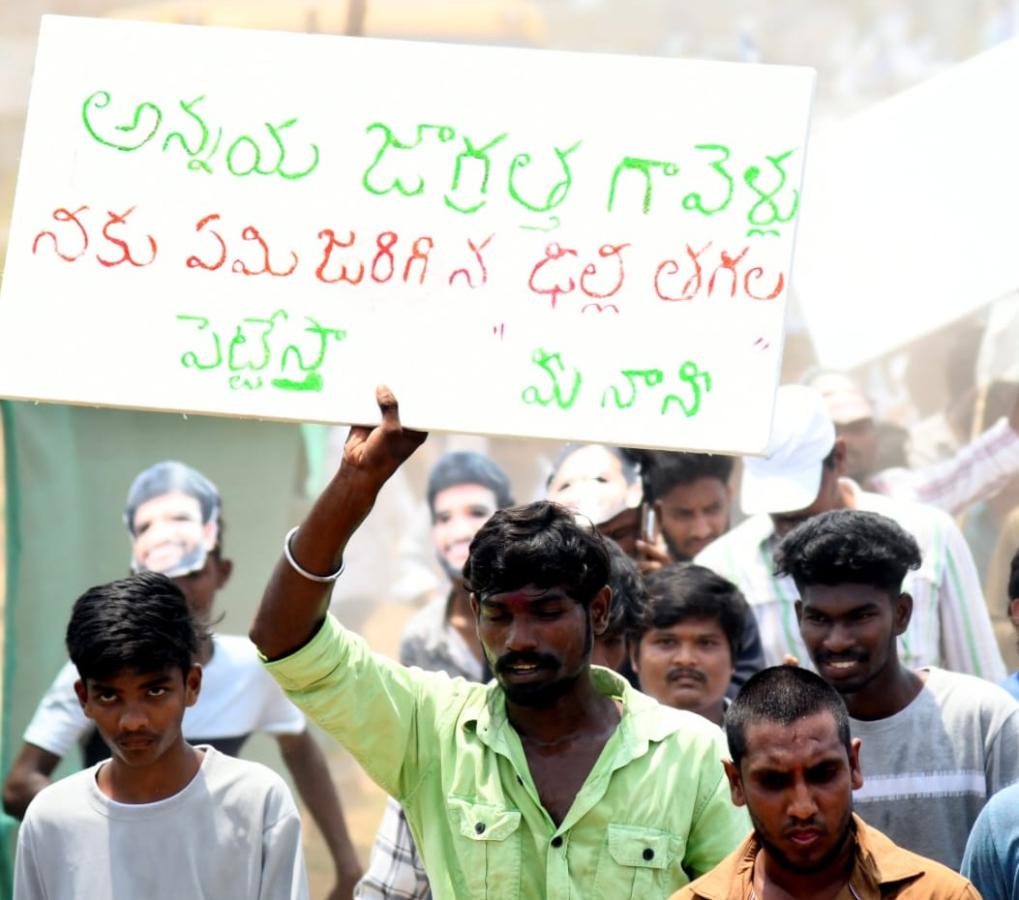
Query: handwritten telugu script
[[508, 237]]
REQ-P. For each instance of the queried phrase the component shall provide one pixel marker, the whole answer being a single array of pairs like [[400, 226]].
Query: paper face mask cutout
[[169, 536]]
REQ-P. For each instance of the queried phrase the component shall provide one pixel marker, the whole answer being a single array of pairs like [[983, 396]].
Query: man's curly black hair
[[848, 547]]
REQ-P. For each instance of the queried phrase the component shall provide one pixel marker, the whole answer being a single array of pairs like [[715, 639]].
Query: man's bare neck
[[561, 757], [886, 696], [581, 712], [169, 775], [773, 881]]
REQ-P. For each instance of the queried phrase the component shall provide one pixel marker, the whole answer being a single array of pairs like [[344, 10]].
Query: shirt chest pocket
[[487, 840], [638, 863]]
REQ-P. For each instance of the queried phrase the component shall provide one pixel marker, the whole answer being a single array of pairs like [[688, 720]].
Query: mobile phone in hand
[[648, 523]]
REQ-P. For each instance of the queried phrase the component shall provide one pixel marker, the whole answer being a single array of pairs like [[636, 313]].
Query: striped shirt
[[976, 472], [950, 626]]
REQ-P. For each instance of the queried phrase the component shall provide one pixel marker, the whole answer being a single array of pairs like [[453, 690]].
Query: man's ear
[[856, 773], [633, 649], [839, 457], [1013, 609], [192, 684], [902, 613], [224, 569], [600, 605], [799, 612], [735, 782], [82, 694], [475, 607]]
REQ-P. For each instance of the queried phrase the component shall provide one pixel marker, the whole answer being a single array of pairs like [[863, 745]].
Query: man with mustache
[[692, 497], [556, 779], [936, 744], [464, 489], [684, 648], [801, 477], [795, 767]]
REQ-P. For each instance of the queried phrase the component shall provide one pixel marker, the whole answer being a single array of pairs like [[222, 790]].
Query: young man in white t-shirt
[[161, 819], [936, 745], [173, 518]]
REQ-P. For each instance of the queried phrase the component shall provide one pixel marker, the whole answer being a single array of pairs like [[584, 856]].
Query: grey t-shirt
[[929, 769], [232, 834], [430, 642]]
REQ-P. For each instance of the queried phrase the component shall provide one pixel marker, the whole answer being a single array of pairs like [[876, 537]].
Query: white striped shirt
[[950, 626], [977, 471]]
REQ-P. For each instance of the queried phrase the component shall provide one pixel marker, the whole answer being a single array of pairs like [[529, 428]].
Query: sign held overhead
[[519, 242]]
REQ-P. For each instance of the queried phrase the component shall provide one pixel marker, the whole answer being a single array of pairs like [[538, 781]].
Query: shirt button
[[480, 828], [557, 841], [649, 854]]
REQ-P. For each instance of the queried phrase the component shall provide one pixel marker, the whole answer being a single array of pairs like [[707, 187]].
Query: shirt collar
[[878, 861], [730, 879], [644, 720], [881, 860]]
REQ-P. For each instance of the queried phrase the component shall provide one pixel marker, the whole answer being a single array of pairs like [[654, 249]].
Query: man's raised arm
[[294, 604]]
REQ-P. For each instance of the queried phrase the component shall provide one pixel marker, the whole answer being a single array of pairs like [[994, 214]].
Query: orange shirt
[[883, 870]]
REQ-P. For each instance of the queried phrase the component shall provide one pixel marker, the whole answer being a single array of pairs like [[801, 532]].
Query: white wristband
[[322, 579]]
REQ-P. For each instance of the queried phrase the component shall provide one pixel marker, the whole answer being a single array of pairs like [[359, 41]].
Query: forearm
[[310, 770], [20, 789], [293, 606], [977, 471], [29, 774]]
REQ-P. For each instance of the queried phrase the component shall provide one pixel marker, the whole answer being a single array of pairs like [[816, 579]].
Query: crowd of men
[[621, 694]]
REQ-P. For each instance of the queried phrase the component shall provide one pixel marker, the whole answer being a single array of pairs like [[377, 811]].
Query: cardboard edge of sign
[[411, 424]]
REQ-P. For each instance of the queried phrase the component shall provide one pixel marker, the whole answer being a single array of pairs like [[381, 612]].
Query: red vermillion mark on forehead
[[522, 599]]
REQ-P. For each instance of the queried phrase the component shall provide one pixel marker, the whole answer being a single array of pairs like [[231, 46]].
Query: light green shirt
[[654, 811]]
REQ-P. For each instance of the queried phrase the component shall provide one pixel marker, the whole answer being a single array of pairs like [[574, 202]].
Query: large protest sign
[[518, 242], [911, 218]]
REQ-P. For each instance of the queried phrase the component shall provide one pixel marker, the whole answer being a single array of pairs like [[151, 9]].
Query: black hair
[[627, 460], [782, 694], [468, 467], [141, 622], [1013, 578], [164, 477], [540, 544], [662, 470], [629, 596], [687, 591], [846, 546]]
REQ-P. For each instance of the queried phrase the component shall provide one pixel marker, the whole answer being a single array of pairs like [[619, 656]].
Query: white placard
[[518, 242], [911, 218]]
